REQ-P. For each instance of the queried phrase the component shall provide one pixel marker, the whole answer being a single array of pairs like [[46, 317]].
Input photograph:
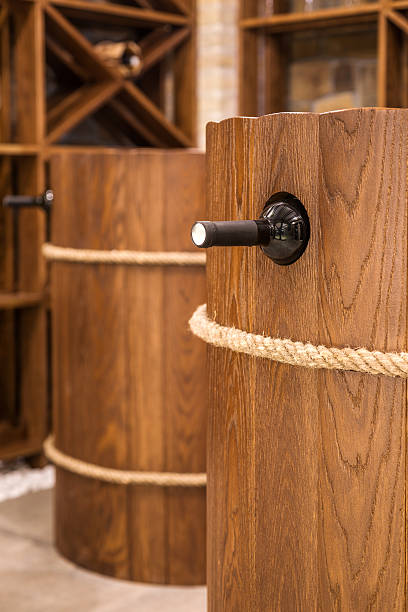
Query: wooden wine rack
[[264, 68], [35, 34]]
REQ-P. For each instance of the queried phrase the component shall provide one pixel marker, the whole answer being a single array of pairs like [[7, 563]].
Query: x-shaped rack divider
[[104, 84]]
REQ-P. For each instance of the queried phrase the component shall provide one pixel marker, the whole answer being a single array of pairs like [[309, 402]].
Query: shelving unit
[[265, 48], [57, 91]]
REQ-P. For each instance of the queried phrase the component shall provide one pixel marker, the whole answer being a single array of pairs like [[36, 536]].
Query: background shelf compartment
[[332, 70], [23, 317], [58, 90], [366, 45]]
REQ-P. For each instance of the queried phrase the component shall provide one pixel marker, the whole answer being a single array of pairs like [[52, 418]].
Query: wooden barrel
[[129, 379], [306, 468]]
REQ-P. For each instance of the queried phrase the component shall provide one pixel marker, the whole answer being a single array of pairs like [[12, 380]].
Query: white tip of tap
[[198, 234]]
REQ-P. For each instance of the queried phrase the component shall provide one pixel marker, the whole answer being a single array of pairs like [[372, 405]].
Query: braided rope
[[132, 258], [297, 353], [121, 477]]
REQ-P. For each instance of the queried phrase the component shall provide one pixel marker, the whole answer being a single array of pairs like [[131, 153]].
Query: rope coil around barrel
[[120, 477], [119, 257], [297, 353]]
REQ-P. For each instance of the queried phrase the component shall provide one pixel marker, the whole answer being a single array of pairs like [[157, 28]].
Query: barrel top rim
[[348, 111]]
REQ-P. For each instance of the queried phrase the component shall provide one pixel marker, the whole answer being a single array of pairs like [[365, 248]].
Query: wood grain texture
[[130, 384], [363, 291], [306, 469]]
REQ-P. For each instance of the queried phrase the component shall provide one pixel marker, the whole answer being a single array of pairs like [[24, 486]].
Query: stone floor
[[34, 578]]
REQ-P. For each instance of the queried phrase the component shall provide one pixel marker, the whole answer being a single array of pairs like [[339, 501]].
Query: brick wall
[[217, 62]]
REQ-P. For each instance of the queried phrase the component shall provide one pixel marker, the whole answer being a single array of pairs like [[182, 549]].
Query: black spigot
[[282, 231], [43, 201]]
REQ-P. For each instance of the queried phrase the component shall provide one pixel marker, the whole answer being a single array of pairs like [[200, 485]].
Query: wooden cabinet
[[57, 90]]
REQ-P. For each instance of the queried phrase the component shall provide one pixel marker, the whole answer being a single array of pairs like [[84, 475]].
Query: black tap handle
[[230, 233], [282, 231], [43, 201]]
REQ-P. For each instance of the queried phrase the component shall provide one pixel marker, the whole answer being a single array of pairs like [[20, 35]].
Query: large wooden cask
[[129, 379], [307, 467]]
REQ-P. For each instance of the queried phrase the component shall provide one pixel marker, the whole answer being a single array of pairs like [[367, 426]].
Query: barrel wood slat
[[130, 392], [306, 468]]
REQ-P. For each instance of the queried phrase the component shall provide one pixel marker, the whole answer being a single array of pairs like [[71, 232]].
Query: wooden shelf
[[23, 150], [118, 15], [155, 108], [403, 4], [20, 299], [284, 22], [20, 448]]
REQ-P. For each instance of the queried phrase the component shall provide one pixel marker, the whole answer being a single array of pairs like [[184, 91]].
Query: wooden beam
[[31, 322], [67, 59], [392, 80], [5, 78], [134, 123], [160, 47], [20, 299], [153, 117], [397, 19], [67, 35], [382, 62], [29, 71], [74, 108], [116, 14], [24, 150], [184, 68], [315, 19]]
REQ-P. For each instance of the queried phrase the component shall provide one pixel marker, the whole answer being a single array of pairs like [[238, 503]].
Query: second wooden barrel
[[129, 379]]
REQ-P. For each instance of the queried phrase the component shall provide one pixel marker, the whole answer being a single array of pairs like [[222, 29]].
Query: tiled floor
[[34, 578]]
